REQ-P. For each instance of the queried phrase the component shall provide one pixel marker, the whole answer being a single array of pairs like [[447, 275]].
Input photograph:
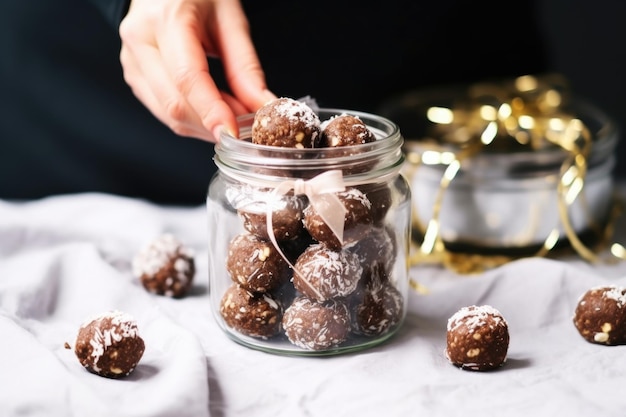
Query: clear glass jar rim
[[236, 155]]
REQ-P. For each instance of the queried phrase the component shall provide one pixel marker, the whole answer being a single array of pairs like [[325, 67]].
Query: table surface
[[62, 259]]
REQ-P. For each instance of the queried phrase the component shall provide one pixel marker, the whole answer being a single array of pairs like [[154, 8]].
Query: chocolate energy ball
[[339, 136], [286, 217], [600, 315], [165, 267], [378, 309], [345, 130], [252, 314], [314, 325], [379, 196], [286, 123], [322, 273], [293, 248], [109, 344], [477, 338], [255, 264], [357, 220], [377, 250]]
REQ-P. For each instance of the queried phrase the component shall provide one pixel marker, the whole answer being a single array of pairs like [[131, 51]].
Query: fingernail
[[220, 130], [217, 132]]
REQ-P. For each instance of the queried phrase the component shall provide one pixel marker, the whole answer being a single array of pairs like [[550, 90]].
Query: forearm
[[112, 10]]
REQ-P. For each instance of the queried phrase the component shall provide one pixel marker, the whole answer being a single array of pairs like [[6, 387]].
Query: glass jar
[[308, 248]]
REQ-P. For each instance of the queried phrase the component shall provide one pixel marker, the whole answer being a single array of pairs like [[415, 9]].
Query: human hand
[[165, 44]]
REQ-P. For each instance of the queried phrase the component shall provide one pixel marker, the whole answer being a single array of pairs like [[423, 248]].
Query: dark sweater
[[70, 124]]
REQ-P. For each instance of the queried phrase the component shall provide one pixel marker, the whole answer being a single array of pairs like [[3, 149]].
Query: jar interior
[[244, 203]]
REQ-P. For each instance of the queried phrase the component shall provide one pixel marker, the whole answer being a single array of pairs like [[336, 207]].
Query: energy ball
[[255, 264], [357, 220], [378, 309], [379, 196], [286, 123], [109, 344], [477, 338], [293, 248], [322, 273], [600, 315], [252, 314], [339, 135], [286, 217], [377, 250], [345, 130], [314, 325], [165, 267]]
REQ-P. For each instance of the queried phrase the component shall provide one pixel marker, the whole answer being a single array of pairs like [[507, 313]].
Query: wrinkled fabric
[[65, 258]]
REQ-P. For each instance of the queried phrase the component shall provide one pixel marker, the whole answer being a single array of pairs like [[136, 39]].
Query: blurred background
[[71, 124], [585, 42], [420, 45]]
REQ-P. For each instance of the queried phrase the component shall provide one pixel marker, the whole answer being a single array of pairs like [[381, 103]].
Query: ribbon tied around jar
[[320, 190]]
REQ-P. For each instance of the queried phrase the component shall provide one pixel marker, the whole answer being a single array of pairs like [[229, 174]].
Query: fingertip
[[217, 132], [263, 97], [222, 129], [220, 119], [268, 96]]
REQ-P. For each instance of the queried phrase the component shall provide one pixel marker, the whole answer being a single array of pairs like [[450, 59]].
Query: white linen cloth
[[65, 258]]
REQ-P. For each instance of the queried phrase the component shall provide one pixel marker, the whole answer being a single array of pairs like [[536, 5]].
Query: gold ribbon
[[525, 105]]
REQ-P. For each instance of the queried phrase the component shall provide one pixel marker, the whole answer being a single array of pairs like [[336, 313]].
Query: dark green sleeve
[[113, 10]]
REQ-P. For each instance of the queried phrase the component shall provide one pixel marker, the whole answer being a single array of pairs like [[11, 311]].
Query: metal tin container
[[542, 175]]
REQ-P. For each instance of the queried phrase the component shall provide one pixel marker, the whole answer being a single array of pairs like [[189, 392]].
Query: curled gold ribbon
[[503, 118], [320, 191]]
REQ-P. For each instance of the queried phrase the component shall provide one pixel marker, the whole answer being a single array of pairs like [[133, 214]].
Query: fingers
[[187, 101], [164, 56], [165, 103], [187, 68], [243, 69]]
